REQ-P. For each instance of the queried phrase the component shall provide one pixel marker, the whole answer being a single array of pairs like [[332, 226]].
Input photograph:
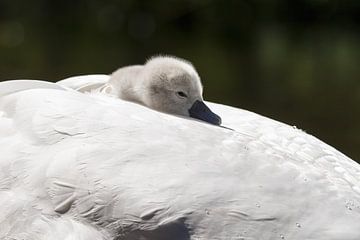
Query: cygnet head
[[170, 85]]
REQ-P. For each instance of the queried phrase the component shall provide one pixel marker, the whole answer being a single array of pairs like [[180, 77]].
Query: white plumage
[[86, 166]]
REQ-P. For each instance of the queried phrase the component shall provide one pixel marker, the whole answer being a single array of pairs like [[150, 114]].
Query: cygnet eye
[[181, 94]]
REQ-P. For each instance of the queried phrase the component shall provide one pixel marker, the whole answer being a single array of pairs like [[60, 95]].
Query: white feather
[[88, 164]]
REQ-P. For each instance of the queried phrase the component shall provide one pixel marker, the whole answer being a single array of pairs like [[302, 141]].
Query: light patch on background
[[141, 25], [110, 18], [11, 34]]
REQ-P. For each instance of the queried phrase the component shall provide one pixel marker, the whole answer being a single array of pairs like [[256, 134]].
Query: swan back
[[133, 173]]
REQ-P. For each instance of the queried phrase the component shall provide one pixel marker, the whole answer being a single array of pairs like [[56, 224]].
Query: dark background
[[294, 61]]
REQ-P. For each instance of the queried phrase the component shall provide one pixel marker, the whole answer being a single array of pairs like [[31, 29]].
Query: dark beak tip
[[219, 121]]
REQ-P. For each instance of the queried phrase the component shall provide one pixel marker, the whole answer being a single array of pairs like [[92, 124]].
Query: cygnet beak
[[200, 111]]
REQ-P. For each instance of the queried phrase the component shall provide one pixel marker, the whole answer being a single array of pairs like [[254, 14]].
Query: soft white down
[[164, 83], [88, 166]]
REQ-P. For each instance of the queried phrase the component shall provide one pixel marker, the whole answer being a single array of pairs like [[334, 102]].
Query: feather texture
[[77, 165]]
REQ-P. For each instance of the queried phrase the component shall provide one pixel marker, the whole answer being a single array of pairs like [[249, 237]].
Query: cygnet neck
[[126, 83]]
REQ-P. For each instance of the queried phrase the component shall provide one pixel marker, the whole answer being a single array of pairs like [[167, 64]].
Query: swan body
[[89, 166]]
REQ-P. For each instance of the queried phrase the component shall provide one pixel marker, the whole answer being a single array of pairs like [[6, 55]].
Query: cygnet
[[164, 83]]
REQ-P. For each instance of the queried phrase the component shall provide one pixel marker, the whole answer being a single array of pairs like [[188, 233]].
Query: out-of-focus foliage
[[296, 61]]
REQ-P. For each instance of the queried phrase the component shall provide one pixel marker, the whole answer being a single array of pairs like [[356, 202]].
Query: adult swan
[[86, 166]]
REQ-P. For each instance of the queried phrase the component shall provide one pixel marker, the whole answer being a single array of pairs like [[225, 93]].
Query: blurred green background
[[294, 61]]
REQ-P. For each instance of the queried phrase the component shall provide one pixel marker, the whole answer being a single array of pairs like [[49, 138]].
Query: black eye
[[181, 94]]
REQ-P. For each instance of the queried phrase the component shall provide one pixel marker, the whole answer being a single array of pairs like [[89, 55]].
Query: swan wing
[[85, 83]]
